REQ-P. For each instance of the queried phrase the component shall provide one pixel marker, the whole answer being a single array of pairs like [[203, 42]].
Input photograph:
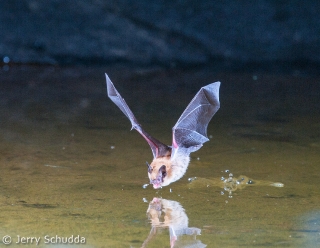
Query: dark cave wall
[[159, 32]]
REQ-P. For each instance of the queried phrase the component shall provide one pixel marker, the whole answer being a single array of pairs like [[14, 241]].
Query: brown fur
[[158, 162]]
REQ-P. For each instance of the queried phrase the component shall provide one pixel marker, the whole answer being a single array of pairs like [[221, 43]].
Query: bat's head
[[165, 170], [159, 172]]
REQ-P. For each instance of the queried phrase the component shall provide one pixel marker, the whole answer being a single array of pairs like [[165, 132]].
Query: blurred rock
[[159, 32]]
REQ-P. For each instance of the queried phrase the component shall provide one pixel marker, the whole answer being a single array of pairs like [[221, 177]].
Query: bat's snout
[[157, 182]]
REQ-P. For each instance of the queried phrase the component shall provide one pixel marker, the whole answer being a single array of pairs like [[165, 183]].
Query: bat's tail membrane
[[158, 149]]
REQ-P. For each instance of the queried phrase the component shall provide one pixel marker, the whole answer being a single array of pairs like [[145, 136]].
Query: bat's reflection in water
[[167, 214], [231, 183]]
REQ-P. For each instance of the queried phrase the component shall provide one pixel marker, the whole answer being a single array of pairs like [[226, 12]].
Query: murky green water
[[70, 165]]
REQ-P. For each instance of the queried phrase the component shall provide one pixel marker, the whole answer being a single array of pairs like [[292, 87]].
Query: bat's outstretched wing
[[158, 149], [190, 131]]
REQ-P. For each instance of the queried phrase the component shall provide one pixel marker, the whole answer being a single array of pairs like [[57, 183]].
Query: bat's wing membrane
[[158, 149], [190, 131]]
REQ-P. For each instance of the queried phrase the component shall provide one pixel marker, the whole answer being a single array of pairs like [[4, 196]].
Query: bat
[[188, 134]]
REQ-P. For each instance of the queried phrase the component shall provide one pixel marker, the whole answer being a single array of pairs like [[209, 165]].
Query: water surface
[[70, 165]]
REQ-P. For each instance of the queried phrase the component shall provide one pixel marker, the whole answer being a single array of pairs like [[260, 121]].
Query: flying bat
[[188, 134]]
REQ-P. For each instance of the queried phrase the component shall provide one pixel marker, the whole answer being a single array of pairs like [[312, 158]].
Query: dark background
[[276, 35]]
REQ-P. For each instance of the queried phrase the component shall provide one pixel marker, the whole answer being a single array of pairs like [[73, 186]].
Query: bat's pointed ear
[[149, 167], [163, 170]]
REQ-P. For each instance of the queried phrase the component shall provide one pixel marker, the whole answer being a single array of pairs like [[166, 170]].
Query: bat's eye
[[163, 171]]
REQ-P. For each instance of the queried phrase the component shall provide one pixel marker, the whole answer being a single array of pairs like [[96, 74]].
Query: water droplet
[[226, 171], [112, 147], [190, 179], [145, 185]]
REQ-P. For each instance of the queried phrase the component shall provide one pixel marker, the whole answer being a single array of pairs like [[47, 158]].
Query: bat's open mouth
[[156, 185], [160, 177]]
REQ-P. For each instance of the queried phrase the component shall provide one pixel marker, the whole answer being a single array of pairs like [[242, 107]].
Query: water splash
[[230, 184], [145, 185]]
